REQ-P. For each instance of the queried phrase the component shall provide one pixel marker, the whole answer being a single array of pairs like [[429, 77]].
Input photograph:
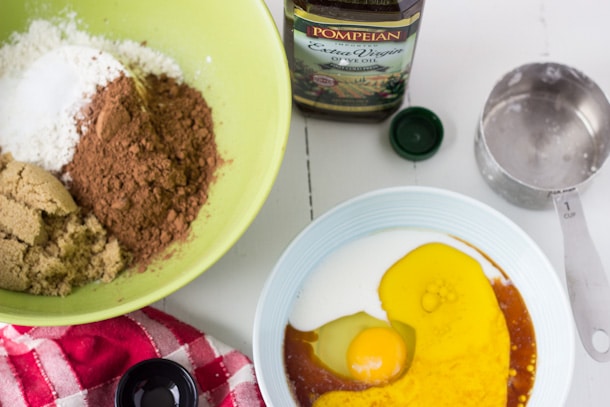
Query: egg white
[[346, 281]]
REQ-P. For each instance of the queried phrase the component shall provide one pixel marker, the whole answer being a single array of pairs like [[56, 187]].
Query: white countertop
[[463, 49]]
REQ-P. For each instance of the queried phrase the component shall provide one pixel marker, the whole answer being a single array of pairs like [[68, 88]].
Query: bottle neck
[[363, 10]]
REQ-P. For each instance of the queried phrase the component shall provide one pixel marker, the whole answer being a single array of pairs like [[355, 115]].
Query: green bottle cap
[[416, 133]]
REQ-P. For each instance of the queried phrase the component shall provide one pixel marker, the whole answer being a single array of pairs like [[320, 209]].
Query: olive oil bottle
[[350, 59]]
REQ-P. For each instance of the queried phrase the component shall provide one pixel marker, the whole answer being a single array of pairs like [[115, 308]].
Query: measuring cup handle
[[586, 280]]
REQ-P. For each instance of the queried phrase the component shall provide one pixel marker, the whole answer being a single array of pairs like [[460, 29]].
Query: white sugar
[[38, 106]]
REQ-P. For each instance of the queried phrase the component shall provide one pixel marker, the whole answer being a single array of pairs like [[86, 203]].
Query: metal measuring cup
[[543, 134]]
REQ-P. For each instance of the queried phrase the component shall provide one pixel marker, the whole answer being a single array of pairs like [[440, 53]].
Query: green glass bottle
[[350, 59]]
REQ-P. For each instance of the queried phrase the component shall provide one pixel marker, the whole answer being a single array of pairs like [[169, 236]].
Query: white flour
[[48, 74]]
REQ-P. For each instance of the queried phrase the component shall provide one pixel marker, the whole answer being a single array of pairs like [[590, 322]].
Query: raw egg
[[363, 348], [412, 316]]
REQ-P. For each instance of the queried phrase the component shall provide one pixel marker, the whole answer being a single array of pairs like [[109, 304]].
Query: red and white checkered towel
[[81, 365]]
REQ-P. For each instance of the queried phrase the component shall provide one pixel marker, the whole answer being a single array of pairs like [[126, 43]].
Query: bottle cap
[[159, 382], [416, 133]]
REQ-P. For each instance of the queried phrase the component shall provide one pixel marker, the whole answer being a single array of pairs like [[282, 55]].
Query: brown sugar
[[21, 221], [12, 258], [47, 246], [35, 187]]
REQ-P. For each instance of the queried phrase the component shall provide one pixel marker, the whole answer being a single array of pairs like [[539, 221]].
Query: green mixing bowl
[[232, 52]]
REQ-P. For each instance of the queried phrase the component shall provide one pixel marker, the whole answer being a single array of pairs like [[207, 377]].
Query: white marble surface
[[464, 47]]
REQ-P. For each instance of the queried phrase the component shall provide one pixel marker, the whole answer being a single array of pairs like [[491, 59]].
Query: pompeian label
[[346, 66]]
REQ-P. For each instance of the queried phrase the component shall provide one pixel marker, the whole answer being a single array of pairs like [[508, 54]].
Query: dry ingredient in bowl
[[48, 74], [47, 246], [37, 108], [114, 120], [145, 173]]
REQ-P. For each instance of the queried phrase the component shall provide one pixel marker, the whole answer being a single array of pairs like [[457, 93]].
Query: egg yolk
[[377, 355]]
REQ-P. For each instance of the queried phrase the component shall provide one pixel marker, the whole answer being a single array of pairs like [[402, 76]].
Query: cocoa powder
[[144, 163]]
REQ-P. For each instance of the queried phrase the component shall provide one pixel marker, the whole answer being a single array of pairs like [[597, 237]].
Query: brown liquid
[[309, 379], [522, 340]]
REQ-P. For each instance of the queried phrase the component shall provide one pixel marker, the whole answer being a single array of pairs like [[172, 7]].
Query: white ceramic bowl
[[422, 207]]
